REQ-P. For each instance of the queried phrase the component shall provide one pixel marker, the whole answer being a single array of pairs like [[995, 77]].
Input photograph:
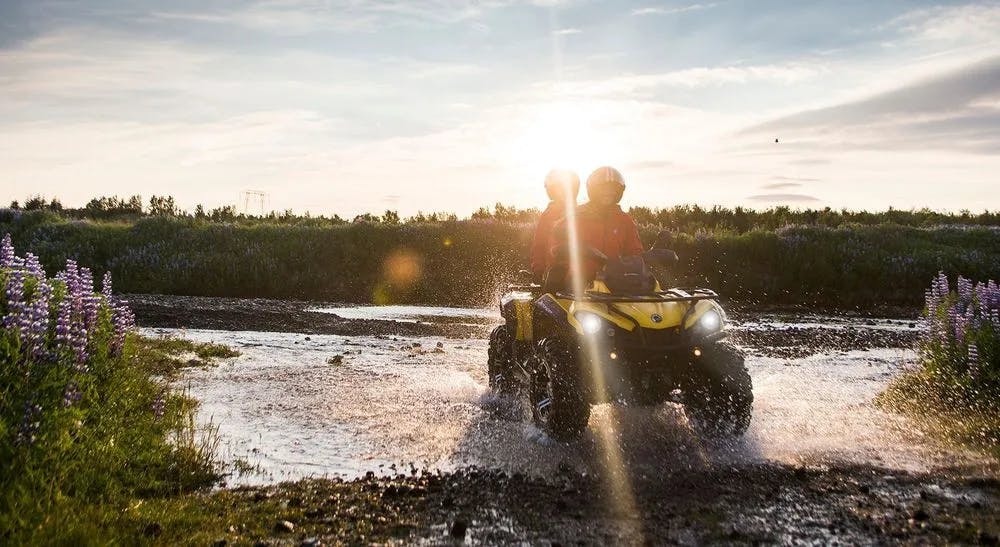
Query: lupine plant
[[53, 329], [961, 341], [83, 420]]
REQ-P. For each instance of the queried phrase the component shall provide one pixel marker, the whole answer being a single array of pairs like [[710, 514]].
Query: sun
[[566, 134]]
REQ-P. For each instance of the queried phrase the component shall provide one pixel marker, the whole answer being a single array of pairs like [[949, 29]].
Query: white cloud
[[945, 111], [643, 85], [659, 10], [970, 22], [298, 17], [566, 31]]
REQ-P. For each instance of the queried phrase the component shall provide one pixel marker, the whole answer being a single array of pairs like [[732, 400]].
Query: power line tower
[[255, 198]]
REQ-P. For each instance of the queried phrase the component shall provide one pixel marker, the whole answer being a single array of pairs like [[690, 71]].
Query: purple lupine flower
[[30, 423], [71, 276], [953, 319], [14, 291], [38, 320], [964, 289], [86, 280], [159, 406], [90, 302], [6, 252], [106, 289], [123, 320], [961, 328], [71, 395], [973, 360], [64, 319], [78, 343], [33, 266]]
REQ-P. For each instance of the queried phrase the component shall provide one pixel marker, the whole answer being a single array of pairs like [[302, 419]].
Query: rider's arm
[[631, 244], [541, 245]]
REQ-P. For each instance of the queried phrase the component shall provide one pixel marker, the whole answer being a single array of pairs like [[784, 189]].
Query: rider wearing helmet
[[562, 186], [601, 223]]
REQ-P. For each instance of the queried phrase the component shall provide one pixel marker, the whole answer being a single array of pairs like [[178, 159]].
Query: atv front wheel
[[718, 392], [500, 362], [559, 404]]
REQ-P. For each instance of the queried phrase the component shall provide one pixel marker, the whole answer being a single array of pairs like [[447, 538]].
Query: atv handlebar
[[661, 296]]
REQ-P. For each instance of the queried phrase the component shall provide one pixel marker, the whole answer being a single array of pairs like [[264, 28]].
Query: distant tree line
[[679, 218]]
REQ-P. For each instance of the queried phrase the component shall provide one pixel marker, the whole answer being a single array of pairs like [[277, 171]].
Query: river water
[[395, 403]]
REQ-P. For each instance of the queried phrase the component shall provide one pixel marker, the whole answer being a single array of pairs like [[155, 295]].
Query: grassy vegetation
[[831, 261], [954, 391], [88, 427], [165, 356]]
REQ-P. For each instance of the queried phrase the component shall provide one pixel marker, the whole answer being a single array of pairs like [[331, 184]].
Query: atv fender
[[550, 317]]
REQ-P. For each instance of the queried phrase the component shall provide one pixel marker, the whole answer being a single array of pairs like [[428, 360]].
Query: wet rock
[[308, 338], [458, 529], [335, 360], [284, 527], [920, 515], [152, 530], [310, 542]]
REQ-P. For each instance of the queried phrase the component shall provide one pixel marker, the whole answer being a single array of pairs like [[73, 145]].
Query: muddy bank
[[764, 503], [828, 333], [797, 342], [267, 315]]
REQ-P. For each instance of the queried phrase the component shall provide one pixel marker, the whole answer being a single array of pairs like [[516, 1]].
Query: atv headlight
[[590, 323], [711, 321]]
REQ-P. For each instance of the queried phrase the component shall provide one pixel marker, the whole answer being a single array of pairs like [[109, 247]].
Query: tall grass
[[84, 425], [468, 262]]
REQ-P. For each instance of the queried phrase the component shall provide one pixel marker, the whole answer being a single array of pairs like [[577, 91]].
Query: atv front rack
[[672, 295]]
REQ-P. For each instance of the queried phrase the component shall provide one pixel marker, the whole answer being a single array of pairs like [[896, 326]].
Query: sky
[[347, 106]]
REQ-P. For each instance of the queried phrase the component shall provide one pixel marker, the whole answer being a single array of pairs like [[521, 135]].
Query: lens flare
[[401, 270], [616, 475]]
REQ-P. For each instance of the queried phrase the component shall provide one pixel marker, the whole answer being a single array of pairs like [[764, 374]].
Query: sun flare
[[568, 134]]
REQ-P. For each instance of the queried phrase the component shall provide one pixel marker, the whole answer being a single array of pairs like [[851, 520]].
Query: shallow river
[[393, 402]]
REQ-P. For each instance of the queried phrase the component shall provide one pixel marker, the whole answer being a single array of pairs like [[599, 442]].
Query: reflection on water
[[392, 402], [412, 314]]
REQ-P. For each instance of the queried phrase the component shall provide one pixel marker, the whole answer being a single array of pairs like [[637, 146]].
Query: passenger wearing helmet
[[562, 186], [601, 223]]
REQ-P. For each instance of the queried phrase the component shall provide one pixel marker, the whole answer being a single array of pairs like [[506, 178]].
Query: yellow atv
[[624, 340]]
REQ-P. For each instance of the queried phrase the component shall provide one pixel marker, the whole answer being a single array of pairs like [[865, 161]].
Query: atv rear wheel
[[559, 405], [500, 362], [718, 392]]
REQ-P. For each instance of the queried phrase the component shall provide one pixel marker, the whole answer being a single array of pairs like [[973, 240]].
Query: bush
[[469, 262], [84, 426]]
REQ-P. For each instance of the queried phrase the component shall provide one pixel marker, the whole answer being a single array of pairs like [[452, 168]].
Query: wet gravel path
[[757, 504]]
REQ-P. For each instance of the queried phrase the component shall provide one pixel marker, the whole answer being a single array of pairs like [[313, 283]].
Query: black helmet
[[562, 184], [605, 184]]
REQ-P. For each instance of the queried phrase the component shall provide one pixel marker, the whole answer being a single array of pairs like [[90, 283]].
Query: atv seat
[[628, 275], [556, 279]]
